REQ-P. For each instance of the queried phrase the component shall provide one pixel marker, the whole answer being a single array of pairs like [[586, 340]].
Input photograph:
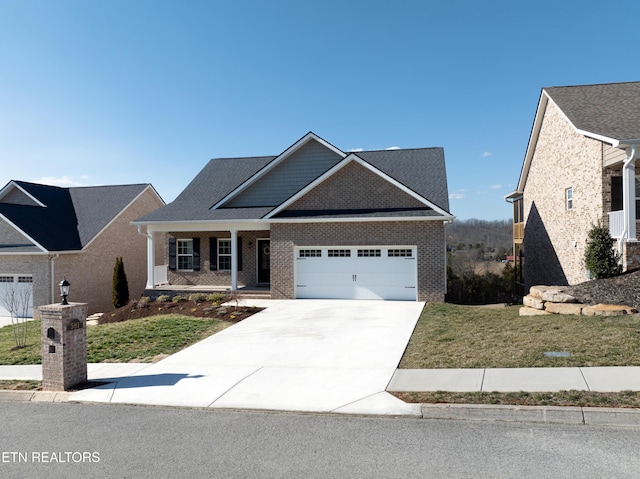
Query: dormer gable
[[288, 173], [14, 194]]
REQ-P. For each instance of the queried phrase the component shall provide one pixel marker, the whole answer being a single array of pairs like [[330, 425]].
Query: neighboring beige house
[[579, 170], [49, 233], [312, 222]]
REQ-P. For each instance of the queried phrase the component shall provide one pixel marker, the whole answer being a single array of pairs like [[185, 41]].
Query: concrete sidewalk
[[598, 379]]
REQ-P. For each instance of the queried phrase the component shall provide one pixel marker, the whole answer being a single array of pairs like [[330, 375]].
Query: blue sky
[[136, 91]]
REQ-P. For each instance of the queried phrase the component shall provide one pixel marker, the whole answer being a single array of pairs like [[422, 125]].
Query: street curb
[[599, 416], [34, 396]]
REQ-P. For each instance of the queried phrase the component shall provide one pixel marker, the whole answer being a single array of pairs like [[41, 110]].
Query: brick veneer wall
[[355, 186], [91, 272], [427, 235], [246, 277], [555, 238]]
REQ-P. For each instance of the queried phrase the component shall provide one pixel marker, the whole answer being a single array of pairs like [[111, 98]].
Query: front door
[[264, 261]]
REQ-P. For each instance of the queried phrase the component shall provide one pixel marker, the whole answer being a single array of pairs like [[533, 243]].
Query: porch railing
[[160, 275], [616, 224]]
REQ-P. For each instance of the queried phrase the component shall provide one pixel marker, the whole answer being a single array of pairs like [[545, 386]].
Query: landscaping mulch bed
[[623, 289], [200, 309]]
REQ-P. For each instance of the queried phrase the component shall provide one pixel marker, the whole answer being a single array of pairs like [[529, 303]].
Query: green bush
[[198, 297], [600, 259], [120, 290], [163, 298], [178, 299], [215, 297]]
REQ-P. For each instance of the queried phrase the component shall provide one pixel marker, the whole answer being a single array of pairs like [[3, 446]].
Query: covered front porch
[[219, 257]]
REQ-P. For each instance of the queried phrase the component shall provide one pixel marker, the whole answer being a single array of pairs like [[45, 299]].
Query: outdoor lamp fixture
[[64, 290]]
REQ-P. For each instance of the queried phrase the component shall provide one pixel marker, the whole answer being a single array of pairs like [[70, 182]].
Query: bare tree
[[17, 300]]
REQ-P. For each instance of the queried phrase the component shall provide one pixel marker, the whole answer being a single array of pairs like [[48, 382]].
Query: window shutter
[[239, 253], [172, 253], [213, 254], [616, 193], [196, 254]]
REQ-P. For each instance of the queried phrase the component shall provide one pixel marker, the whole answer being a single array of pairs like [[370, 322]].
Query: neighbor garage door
[[361, 272], [17, 290]]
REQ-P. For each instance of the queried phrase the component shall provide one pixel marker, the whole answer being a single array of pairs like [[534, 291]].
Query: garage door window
[[404, 253], [368, 253], [339, 253], [310, 253], [25, 279], [6, 279]]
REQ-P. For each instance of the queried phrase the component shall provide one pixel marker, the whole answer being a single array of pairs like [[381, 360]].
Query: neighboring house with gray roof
[[48, 233], [579, 170], [312, 222]]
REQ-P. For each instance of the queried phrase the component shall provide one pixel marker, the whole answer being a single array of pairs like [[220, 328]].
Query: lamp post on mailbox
[[64, 342], [65, 286]]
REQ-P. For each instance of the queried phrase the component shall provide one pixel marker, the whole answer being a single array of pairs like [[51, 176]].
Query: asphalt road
[[61, 440]]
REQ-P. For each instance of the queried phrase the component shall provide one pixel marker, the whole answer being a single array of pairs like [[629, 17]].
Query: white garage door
[[361, 272], [16, 290]]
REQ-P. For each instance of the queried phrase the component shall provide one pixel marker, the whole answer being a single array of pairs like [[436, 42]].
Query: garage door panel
[[17, 289], [365, 273]]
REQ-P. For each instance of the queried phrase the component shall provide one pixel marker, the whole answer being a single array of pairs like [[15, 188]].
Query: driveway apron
[[297, 355]]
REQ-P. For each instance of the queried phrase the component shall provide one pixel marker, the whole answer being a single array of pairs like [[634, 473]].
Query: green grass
[[452, 336], [129, 341]]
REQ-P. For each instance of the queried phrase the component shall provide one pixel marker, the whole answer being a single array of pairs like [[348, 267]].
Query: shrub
[[197, 297], [120, 290], [163, 298], [178, 298], [143, 302], [215, 297], [599, 257]]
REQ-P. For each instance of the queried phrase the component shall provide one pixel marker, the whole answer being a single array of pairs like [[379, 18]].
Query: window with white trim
[[224, 255], [568, 195], [184, 255]]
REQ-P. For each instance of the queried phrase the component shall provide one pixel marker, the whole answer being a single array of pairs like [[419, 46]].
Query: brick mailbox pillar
[[64, 345]]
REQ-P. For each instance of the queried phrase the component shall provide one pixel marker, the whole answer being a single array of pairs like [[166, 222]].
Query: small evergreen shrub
[[600, 259], [120, 289], [163, 298], [178, 299]]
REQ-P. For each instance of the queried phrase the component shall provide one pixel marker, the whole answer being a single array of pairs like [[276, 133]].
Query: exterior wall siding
[[246, 277], [11, 236], [353, 187], [295, 172], [91, 272], [427, 235], [555, 238]]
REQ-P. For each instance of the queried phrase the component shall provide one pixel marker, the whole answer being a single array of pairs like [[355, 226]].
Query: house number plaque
[[74, 324]]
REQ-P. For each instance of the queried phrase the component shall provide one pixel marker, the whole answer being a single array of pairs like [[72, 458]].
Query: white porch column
[[234, 260], [150, 260], [629, 195]]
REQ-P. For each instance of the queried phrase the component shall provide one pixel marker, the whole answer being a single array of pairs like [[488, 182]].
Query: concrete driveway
[[297, 355]]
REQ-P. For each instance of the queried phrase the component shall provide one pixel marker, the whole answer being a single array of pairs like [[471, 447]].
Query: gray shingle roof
[[422, 170], [72, 217], [610, 110]]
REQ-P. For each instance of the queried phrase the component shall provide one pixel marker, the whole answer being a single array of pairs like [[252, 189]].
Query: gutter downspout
[[52, 272], [627, 176]]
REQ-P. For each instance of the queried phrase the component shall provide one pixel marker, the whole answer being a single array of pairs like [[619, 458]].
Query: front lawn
[[129, 341], [453, 336]]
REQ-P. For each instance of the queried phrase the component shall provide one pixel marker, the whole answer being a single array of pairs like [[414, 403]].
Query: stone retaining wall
[[543, 300]]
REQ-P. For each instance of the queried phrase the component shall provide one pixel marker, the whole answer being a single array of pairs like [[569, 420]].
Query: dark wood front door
[[264, 261]]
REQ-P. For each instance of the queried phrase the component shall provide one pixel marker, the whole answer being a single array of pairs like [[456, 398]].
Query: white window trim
[[224, 255], [568, 198], [184, 255]]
